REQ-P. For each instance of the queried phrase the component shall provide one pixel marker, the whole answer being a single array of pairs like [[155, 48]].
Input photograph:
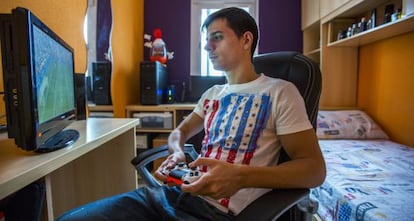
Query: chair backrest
[[298, 69], [301, 71]]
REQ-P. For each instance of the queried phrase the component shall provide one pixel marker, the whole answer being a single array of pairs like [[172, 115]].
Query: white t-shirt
[[242, 123]]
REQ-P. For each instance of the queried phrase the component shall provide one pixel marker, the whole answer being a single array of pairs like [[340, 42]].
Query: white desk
[[97, 165]]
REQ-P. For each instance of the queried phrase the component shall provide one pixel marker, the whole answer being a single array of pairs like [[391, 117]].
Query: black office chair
[[278, 204]]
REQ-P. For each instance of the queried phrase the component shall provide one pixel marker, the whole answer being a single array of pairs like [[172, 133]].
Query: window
[[200, 9]]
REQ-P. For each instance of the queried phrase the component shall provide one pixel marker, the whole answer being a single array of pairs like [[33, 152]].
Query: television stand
[[60, 140], [97, 165]]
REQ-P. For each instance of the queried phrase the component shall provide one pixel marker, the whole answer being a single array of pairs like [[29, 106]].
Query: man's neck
[[242, 75]]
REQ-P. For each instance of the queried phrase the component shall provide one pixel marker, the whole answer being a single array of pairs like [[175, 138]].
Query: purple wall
[[104, 27], [280, 25], [279, 21]]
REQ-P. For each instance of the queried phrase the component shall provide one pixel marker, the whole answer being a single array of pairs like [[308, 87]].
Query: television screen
[[38, 74], [53, 70]]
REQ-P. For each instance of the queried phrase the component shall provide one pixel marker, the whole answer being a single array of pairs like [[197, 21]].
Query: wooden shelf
[[311, 39], [384, 31], [153, 130], [93, 107], [161, 107], [352, 8], [177, 110], [313, 52]]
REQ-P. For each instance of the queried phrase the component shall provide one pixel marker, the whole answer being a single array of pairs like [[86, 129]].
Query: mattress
[[366, 180]]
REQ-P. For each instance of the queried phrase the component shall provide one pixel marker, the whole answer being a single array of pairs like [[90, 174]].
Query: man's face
[[224, 48]]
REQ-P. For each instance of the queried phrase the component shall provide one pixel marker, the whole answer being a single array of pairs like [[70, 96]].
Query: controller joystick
[[191, 176]]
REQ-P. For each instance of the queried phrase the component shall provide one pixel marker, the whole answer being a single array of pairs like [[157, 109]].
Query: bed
[[369, 177]]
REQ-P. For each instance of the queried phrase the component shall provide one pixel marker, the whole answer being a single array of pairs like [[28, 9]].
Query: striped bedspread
[[366, 180]]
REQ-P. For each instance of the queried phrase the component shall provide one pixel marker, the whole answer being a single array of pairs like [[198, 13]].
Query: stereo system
[[154, 120], [80, 95], [153, 82], [101, 83]]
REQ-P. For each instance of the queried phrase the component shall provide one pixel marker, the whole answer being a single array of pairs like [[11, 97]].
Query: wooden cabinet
[[157, 133], [311, 29], [329, 6], [100, 111], [339, 58], [310, 12], [312, 42], [177, 111], [379, 32]]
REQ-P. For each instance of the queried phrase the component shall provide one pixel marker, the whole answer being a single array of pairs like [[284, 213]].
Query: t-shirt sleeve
[[199, 108], [290, 114]]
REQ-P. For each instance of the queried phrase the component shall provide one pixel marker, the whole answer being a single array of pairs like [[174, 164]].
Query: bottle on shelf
[[389, 10], [158, 50], [373, 18]]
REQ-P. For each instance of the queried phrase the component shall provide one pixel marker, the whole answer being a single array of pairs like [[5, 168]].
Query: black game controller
[[181, 173]]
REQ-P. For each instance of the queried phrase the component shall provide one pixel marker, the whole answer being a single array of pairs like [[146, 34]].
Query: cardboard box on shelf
[[160, 140]]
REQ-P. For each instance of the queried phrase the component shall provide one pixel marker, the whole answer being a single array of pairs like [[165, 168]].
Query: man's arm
[[189, 127], [306, 169]]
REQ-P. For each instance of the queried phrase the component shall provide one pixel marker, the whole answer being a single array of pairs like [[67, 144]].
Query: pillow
[[347, 124]]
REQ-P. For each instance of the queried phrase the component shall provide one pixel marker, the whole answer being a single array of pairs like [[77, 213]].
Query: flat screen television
[[39, 83]]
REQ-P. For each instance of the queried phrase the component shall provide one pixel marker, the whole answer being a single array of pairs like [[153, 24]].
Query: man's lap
[[166, 203]]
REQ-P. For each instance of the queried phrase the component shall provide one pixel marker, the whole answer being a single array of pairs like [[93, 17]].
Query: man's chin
[[218, 67]]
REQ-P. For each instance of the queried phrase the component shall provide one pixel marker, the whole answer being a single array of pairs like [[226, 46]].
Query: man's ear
[[247, 40]]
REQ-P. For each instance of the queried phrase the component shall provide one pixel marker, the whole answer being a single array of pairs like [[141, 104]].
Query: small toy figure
[[158, 49]]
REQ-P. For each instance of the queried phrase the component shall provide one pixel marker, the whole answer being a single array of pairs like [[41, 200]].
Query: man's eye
[[215, 37]]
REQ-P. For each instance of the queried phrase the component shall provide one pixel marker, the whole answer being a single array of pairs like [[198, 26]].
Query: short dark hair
[[238, 20]]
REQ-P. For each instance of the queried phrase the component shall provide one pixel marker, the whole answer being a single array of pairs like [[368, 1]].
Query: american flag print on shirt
[[233, 125]]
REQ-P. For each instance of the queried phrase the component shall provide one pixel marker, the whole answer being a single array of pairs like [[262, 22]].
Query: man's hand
[[221, 180], [169, 163]]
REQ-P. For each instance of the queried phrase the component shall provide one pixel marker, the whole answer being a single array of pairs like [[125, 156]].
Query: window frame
[[196, 7]]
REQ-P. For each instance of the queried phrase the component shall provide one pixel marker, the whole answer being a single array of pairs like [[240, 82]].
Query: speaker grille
[[153, 82], [101, 83]]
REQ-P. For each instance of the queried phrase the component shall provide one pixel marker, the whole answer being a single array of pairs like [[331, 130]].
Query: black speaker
[[89, 89], [80, 96], [101, 72], [153, 82]]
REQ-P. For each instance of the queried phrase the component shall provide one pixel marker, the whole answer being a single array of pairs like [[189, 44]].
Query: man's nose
[[207, 47]]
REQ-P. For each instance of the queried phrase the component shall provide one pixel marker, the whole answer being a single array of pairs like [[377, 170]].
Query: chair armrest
[[273, 204]]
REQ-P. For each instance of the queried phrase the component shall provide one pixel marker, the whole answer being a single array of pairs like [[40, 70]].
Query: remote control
[[181, 173]]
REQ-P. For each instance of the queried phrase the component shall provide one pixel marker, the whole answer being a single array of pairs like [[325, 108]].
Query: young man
[[246, 122]]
